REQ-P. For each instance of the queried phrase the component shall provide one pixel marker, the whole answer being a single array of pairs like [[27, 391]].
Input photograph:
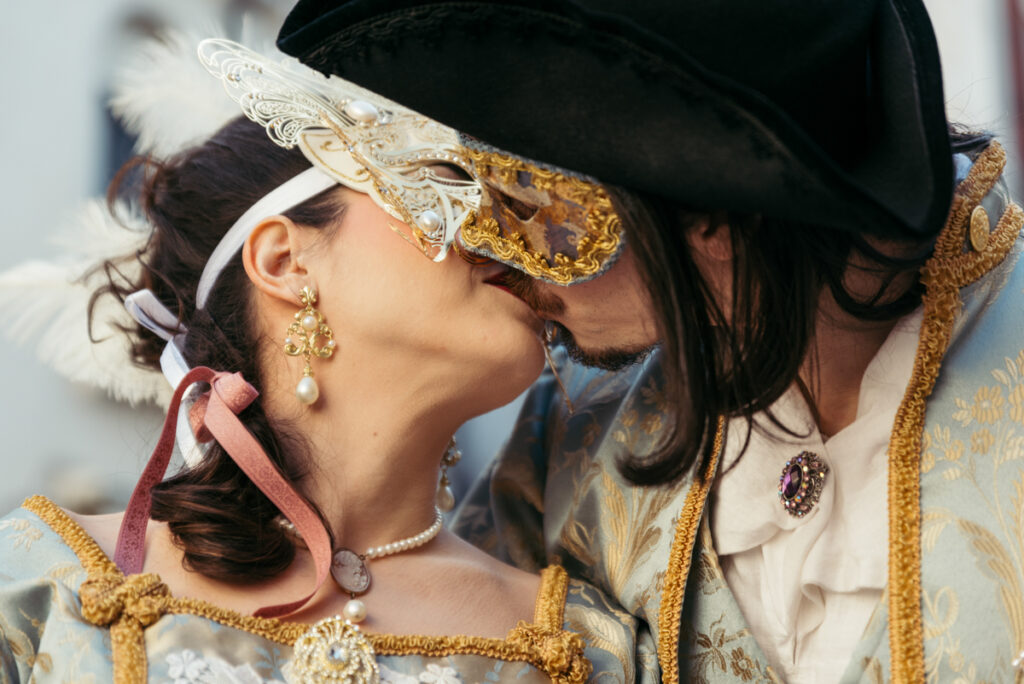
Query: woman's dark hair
[[737, 366], [226, 527]]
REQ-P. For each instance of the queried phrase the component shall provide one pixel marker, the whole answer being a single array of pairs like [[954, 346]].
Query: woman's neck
[[374, 441]]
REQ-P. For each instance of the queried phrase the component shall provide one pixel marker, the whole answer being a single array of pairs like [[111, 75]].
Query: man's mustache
[[544, 304]]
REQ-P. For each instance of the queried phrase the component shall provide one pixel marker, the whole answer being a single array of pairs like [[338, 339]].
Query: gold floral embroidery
[[24, 534], [627, 521], [999, 552], [940, 614], [981, 441], [714, 647], [873, 670], [715, 654], [635, 429], [987, 407], [1012, 378], [1016, 400], [21, 645], [604, 627], [741, 664]]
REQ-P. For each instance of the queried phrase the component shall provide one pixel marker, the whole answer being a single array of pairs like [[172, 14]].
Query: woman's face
[[412, 318]]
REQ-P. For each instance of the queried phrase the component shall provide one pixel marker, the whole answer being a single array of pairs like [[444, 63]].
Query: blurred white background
[[60, 147]]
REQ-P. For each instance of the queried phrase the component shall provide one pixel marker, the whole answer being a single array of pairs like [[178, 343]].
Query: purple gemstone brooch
[[801, 482]]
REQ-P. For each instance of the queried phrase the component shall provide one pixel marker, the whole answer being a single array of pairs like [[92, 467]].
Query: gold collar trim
[[670, 610], [130, 604], [954, 265]]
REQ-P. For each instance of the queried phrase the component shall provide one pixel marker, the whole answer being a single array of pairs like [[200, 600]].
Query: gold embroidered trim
[[604, 229], [130, 604], [982, 177], [670, 610], [89, 553], [949, 269], [127, 605], [562, 651], [549, 611]]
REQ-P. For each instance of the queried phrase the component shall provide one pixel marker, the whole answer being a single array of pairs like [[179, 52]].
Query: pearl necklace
[[349, 570]]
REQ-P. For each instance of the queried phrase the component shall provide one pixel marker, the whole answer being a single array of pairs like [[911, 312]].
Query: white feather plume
[[44, 304], [166, 98]]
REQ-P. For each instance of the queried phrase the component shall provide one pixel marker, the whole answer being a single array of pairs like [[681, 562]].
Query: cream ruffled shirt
[[808, 586]]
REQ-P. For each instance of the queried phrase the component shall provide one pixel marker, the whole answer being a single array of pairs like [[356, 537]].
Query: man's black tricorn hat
[[828, 112]]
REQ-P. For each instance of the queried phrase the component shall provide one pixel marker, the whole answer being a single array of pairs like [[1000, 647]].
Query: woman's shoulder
[[38, 541], [40, 575]]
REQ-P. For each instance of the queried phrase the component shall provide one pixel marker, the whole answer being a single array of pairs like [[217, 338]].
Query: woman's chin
[[511, 375]]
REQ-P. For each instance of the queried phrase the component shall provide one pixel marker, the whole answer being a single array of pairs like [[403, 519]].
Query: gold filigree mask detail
[[550, 225], [358, 138]]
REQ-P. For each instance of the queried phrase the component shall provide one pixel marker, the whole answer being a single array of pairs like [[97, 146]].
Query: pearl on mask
[[362, 111], [429, 221]]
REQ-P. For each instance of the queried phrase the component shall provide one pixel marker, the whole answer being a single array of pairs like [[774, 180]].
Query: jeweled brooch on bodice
[[334, 650]]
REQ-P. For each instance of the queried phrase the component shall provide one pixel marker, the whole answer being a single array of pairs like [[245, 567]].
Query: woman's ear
[[270, 257]]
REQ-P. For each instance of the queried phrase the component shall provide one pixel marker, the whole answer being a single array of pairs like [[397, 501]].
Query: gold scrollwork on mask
[[600, 242]]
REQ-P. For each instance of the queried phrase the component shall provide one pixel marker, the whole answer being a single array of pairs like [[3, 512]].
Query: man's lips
[[524, 288]]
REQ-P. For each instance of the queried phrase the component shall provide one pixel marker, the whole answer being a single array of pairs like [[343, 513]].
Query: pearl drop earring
[[445, 498], [301, 340]]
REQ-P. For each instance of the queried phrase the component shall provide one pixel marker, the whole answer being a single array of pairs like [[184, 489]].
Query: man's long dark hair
[[737, 366]]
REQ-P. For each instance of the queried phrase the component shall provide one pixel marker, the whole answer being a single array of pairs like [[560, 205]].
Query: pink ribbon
[[214, 416], [232, 390]]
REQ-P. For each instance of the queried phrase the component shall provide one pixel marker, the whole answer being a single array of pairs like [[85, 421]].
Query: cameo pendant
[[350, 572]]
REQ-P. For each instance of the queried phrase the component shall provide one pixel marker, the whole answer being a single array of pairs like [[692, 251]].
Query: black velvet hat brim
[[552, 82]]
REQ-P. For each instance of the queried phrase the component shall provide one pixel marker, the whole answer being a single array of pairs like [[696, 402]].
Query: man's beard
[[547, 306]]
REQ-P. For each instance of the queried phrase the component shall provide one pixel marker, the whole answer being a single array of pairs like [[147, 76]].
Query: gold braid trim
[[670, 610], [89, 553], [561, 652], [549, 609], [982, 177], [543, 644], [949, 269], [130, 604], [127, 605]]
